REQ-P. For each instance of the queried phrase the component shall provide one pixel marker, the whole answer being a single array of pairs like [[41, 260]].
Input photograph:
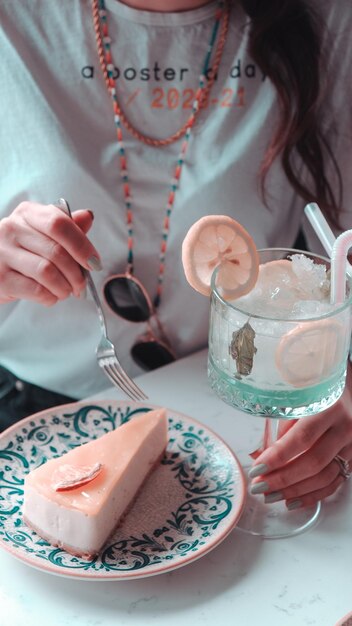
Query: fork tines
[[120, 378]]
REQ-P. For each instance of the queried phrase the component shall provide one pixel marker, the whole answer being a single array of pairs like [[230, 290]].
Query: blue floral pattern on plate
[[188, 505]]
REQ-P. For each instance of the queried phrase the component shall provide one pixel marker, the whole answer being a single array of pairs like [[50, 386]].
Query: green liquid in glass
[[279, 402]]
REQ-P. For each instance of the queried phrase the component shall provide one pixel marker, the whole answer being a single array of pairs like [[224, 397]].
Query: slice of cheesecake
[[77, 500]]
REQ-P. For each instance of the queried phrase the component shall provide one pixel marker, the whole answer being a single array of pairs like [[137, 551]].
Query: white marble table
[[301, 581]]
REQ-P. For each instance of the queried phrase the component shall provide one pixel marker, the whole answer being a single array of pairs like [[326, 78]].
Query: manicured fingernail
[[259, 487], [274, 496], [257, 470], [294, 504], [95, 263], [91, 213]]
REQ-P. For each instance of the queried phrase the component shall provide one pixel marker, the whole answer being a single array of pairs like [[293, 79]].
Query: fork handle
[[93, 290], [64, 206]]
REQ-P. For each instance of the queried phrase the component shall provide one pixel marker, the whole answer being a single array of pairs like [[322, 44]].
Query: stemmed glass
[[278, 367]]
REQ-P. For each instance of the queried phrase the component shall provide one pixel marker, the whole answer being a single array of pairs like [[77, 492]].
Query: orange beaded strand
[[205, 84]]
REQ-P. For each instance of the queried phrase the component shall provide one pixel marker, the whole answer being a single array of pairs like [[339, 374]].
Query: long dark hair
[[286, 43]]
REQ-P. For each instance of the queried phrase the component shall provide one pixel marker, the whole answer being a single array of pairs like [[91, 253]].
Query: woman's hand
[[41, 250], [300, 466]]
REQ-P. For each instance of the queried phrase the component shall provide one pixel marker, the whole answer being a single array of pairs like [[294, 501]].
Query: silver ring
[[344, 467]]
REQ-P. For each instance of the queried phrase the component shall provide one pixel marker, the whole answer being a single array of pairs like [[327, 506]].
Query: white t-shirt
[[57, 139]]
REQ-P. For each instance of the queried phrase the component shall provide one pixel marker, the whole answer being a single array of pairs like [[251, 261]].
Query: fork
[[105, 352]]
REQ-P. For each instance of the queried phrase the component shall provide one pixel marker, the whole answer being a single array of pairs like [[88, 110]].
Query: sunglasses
[[126, 297]]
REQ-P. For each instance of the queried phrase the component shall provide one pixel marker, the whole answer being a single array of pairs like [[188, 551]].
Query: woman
[[245, 102]]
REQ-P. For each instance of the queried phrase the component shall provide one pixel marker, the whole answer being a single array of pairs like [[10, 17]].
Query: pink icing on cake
[[113, 468]]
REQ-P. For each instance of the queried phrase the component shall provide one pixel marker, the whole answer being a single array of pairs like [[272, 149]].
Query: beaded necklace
[[205, 84]]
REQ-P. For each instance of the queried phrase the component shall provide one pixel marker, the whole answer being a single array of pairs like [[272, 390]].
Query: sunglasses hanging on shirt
[[127, 298], [124, 293]]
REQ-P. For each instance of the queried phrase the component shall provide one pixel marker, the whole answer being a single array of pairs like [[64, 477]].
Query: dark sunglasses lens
[[126, 298], [150, 355]]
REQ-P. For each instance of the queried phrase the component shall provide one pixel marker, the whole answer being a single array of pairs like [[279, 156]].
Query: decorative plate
[[189, 504]]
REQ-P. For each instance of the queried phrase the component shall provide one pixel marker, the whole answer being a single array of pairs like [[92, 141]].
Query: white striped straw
[[338, 267], [337, 249], [323, 230]]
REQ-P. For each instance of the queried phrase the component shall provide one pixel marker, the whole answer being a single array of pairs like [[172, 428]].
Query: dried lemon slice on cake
[[309, 353], [219, 241]]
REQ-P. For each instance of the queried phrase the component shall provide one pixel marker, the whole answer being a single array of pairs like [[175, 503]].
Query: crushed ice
[[312, 277], [294, 289]]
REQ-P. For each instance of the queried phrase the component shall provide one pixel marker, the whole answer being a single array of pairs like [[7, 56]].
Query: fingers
[[266, 442], [285, 426], [346, 452], [42, 252], [83, 219], [300, 467], [314, 473], [45, 273], [316, 484], [310, 490], [62, 229], [312, 498], [17, 283], [297, 439], [46, 261], [306, 465]]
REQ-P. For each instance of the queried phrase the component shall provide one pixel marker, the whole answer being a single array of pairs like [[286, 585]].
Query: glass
[[296, 367], [127, 297]]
